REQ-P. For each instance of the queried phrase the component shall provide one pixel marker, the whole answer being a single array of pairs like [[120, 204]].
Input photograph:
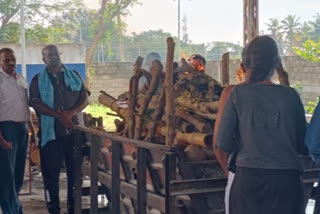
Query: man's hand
[[65, 117], [5, 144]]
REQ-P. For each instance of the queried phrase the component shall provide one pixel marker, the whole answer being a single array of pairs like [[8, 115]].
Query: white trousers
[[227, 192]]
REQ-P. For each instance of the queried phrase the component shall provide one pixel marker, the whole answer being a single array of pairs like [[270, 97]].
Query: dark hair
[[6, 50], [49, 47], [201, 58], [261, 56]]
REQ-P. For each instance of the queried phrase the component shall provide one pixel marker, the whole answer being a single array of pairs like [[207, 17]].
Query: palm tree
[[306, 32], [316, 27], [291, 27], [274, 27], [275, 30]]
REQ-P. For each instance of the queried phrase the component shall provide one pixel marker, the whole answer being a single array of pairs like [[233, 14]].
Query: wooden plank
[[124, 140], [77, 137], [128, 189], [170, 174], [225, 69], [86, 191], [141, 181], [116, 153], [197, 186], [197, 201], [94, 174]]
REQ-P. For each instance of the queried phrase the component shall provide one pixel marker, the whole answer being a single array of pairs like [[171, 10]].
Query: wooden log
[[185, 126], [196, 138], [157, 114], [155, 72], [169, 108], [119, 125], [199, 125], [154, 102], [133, 92], [110, 101], [211, 106], [206, 115], [195, 153], [204, 107], [225, 69]]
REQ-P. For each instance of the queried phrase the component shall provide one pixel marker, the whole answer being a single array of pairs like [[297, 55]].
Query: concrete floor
[[34, 203]]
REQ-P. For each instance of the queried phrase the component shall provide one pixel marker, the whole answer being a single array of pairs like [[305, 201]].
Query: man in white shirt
[[14, 119]]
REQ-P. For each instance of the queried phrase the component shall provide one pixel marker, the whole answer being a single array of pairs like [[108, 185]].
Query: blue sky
[[212, 20]]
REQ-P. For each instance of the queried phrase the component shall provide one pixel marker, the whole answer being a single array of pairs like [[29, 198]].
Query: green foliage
[[309, 51], [98, 110], [217, 49], [36, 11], [10, 32], [51, 34], [310, 107]]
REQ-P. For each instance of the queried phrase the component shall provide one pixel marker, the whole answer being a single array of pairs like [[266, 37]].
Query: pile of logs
[[181, 114]]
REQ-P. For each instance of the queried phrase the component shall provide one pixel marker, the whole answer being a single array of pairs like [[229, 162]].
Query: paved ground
[[35, 203]]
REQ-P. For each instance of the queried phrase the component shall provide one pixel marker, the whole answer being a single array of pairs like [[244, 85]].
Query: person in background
[[227, 161], [197, 62], [14, 122], [270, 124], [143, 81], [58, 95]]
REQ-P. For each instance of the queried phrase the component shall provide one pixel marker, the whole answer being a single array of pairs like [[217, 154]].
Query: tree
[[316, 27], [291, 27], [275, 29], [309, 51], [217, 49], [306, 32], [105, 17], [35, 12]]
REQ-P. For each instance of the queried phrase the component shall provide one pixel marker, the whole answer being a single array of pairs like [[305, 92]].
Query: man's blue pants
[[12, 165]]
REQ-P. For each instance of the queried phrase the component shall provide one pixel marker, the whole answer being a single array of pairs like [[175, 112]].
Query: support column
[[250, 20]]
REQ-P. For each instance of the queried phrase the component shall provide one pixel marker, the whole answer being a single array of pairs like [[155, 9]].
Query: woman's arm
[[221, 156]]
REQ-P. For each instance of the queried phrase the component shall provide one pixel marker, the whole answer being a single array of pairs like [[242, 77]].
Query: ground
[[35, 203]]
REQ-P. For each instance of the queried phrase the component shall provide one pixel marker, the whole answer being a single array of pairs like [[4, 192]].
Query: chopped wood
[[225, 69], [185, 126], [155, 72], [169, 108], [199, 125], [133, 92], [205, 107], [196, 138], [110, 101], [157, 114]]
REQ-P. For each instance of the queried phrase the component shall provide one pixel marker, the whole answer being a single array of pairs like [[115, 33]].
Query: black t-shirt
[[271, 124], [64, 98]]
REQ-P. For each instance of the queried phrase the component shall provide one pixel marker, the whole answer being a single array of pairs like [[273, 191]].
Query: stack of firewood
[[182, 114]]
